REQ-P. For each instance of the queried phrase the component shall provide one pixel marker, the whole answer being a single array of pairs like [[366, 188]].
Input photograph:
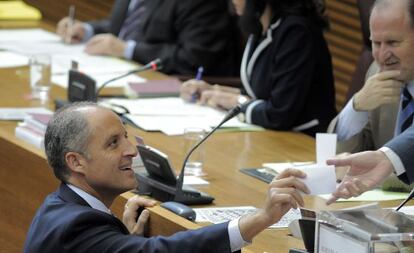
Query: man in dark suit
[[371, 168], [185, 34], [88, 148]]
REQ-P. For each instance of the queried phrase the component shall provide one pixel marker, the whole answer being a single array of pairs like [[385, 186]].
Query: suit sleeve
[[200, 39], [93, 234], [403, 146]]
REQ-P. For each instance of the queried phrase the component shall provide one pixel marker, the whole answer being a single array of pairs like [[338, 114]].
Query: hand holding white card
[[319, 179], [325, 147]]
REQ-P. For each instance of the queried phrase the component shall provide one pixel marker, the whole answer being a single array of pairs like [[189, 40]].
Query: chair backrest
[[365, 59]]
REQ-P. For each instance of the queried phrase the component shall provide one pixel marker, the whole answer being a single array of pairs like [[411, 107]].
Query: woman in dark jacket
[[286, 69]]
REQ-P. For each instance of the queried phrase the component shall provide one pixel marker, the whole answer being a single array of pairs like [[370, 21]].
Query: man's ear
[[75, 162]]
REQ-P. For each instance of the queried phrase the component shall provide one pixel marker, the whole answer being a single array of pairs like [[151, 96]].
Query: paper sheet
[[173, 115], [325, 147], [20, 113], [11, 60], [373, 195], [193, 180], [27, 35], [319, 179], [223, 214]]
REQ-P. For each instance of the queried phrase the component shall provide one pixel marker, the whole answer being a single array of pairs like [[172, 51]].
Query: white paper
[[408, 210], [193, 180], [28, 35], [173, 115], [20, 113], [325, 147], [320, 179], [224, 214], [11, 60]]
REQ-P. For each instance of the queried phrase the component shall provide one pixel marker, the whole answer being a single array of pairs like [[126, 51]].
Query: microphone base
[[166, 192]]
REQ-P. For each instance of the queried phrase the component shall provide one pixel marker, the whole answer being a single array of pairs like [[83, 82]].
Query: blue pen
[[199, 75]]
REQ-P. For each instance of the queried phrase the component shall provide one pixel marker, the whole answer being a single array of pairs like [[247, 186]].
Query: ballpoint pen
[[199, 75], [71, 21]]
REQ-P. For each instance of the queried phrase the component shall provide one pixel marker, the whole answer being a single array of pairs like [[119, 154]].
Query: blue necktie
[[407, 110], [131, 28]]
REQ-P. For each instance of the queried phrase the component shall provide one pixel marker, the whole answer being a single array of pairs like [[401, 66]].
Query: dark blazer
[[403, 146], [185, 34], [66, 223], [289, 74]]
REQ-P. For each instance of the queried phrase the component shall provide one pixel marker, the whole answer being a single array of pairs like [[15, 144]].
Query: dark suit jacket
[[185, 34], [66, 223], [289, 73], [403, 146]]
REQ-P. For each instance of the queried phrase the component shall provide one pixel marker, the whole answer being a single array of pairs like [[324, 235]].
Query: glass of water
[[40, 72], [194, 165]]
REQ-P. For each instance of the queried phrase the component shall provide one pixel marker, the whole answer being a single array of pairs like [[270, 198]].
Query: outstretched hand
[[366, 170]]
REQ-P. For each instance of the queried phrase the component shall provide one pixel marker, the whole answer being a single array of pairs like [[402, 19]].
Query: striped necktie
[[407, 110], [131, 28]]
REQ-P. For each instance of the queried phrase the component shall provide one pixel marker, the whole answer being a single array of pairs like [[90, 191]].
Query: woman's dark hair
[[250, 20]]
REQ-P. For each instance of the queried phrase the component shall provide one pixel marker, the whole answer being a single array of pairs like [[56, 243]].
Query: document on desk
[[11, 60], [172, 115], [218, 215], [18, 113], [27, 35]]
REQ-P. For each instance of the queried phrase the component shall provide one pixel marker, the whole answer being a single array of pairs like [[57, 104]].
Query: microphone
[[179, 187], [154, 65], [406, 200]]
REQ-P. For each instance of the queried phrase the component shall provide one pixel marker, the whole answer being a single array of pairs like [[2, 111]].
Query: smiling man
[[383, 108], [88, 148]]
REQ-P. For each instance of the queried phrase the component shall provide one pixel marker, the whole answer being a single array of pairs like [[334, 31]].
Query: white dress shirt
[[236, 240]]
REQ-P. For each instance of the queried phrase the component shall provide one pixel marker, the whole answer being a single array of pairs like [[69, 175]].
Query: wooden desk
[[25, 178]]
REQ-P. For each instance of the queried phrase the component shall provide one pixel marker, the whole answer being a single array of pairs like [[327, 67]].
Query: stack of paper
[[33, 128]]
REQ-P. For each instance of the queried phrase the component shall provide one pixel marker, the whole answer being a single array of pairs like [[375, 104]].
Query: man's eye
[[114, 142]]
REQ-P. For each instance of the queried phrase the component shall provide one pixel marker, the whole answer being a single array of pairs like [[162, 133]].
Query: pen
[[198, 77], [71, 21]]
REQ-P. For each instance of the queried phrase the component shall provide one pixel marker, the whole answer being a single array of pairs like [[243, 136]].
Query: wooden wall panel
[[53, 11], [345, 42]]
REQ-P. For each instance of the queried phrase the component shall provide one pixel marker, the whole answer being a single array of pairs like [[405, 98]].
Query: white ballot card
[[325, 147], [319, 179]]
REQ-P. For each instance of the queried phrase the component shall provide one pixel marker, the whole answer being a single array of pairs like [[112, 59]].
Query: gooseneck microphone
[[154, 65], [410, 197], [179, 187]]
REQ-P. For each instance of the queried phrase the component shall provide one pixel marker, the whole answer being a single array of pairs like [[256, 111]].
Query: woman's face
[[239, 6]]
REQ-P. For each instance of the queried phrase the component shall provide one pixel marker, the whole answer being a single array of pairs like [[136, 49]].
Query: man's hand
[[73, 34], [130, 218], [192, 89], [340, 171], [380, 89], [283, 194], [105, 44], [367, 170]]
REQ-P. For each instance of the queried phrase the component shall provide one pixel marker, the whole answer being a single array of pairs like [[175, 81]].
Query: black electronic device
[[81, 87], [158, 180], [180, 209]]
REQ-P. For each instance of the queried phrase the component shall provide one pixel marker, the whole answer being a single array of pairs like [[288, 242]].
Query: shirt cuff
[[236, 240], [395, 160], [89, 32], [350, 122], [129, 49]]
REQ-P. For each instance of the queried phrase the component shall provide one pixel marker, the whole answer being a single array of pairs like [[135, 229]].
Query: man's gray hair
[[67, 131], [410, 4]]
